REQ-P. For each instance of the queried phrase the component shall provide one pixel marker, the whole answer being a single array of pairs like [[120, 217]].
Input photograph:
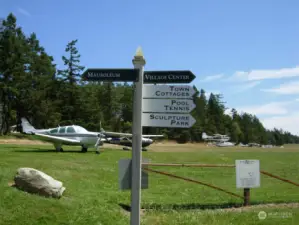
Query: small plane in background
[[215, 137], [79, 136], [218, 139]]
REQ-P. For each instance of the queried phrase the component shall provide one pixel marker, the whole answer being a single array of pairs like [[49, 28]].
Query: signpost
[[138, 63], [247, 176], [168, 91], [170, 99], [159, 77], [168, 105], [129, 75]]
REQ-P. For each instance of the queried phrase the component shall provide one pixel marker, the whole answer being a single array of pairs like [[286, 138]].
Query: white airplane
[[215, 137], [77, 135], [224, 144], [218, 139]]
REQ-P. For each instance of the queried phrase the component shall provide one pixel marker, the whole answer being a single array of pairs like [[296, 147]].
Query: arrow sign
[[167, 120], [168, 105], [157, 77], [111, 75], [168, 91]]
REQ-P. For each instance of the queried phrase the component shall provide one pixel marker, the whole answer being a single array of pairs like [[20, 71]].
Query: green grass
[[93, 197]]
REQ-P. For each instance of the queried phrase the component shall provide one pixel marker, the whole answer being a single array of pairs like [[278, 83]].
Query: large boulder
[[35, 181]]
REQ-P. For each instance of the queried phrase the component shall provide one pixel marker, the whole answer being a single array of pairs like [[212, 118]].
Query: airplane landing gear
[[144, 149], [58, 148], [126, 148], [84, 149]]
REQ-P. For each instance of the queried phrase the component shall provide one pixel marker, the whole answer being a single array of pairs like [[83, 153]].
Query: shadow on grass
[[192, 206], [51, 151], [178, 207]]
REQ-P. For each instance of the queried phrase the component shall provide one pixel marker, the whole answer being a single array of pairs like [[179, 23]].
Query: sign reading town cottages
[[168, 91]]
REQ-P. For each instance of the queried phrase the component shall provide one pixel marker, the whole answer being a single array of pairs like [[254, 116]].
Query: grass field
[[92, 194]]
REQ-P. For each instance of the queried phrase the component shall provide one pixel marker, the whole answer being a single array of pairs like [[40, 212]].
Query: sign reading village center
[[129, 75], [159, 77], [168, 91]]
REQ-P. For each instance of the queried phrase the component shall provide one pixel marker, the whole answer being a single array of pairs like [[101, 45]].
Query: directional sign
[[167, 120], [159, 77], [247, 173], [168, 91], [129, 75], [168, 105]]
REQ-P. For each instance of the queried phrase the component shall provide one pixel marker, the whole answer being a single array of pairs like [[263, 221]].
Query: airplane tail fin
[[204, 135], [26, 126]]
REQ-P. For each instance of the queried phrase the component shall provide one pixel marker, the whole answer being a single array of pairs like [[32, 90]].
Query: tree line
[[31, 86]]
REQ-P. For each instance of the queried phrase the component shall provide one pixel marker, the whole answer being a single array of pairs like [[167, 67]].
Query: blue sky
[[246, 50]]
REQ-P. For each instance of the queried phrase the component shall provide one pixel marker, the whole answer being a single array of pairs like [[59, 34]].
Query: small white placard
[[247, 173]]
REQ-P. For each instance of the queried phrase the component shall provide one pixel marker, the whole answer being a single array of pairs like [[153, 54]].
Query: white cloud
[[285, 89], [273, 108], [265, 74], [212, 77], [287, 123], [280, 115], [244, 87], [24, 12]]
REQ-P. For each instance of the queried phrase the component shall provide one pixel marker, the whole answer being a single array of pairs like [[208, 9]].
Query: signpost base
[[246, 196]]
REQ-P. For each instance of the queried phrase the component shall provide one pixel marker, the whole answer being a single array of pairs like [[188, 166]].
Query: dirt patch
[[167, 147], [263, 206], [175, 147], [21, 142], [237, 208]]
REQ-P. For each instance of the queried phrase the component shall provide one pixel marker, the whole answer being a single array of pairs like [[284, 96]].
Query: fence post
[[246, 196]]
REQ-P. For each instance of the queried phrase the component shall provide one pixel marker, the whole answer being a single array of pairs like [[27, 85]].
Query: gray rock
[[37, 182]]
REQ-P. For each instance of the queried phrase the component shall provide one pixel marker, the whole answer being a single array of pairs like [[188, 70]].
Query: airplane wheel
[[61, 150], [126, 148], [144, 149], [84, 150]]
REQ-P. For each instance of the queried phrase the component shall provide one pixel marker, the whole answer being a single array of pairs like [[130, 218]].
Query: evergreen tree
[[70, 76], [12, 73]]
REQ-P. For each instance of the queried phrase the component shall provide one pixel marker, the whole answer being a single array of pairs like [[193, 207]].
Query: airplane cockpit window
[[54, 131], [70, 130], [62, 130], [80, 129]]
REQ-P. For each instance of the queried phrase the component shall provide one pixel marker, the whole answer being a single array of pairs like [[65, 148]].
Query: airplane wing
[[57, 139], [152, 135], [116, 134]]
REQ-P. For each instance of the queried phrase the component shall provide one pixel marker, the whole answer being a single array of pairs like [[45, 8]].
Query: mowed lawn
[[92, 193]]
